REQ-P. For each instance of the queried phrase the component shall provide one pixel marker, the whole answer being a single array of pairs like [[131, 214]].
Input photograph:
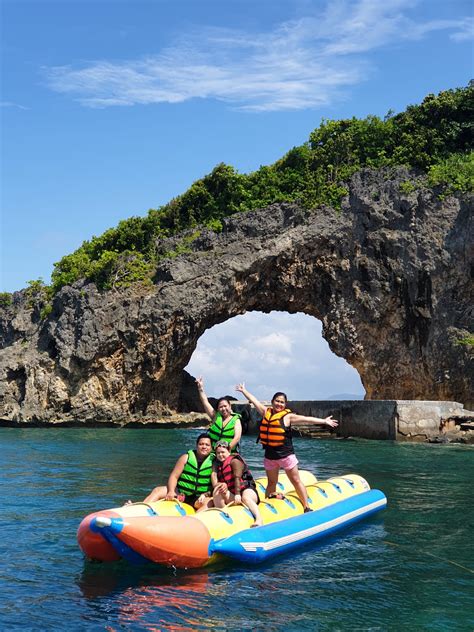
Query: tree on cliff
[[435, 137]]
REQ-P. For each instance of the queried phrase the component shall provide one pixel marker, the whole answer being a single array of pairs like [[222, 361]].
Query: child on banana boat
[[233, 482]]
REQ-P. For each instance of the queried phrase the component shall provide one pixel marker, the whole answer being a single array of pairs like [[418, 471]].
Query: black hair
[[223, 399], [203, 435], [280, 394]]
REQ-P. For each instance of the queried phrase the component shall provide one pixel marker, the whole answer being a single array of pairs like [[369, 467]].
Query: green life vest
[[218, 432], [196, 477]]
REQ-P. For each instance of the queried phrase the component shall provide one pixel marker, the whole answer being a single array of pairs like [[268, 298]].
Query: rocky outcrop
[[389, 276]]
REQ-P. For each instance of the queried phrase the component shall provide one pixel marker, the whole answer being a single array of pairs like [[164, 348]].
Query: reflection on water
[[410, 566], [138, 594]]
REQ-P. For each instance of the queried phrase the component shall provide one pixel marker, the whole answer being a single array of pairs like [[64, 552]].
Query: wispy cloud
[[465, 32], [302, 64], [10, 104]]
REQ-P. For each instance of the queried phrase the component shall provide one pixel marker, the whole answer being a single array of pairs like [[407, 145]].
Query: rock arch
[[388, 276]]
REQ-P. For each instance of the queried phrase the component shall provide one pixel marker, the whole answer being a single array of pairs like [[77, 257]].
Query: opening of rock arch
[[270, 352]]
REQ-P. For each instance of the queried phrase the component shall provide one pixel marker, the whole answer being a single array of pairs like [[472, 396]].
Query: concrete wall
[[423, 419], [368, 419], [411, 420]]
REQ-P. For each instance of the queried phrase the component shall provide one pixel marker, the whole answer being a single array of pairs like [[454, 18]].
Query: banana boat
[[171, 533]]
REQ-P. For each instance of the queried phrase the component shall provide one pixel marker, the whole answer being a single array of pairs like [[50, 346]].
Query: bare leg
[[272, 477], [205, 505], [294, 477], [221, 500], [249, 497], [156, 494]]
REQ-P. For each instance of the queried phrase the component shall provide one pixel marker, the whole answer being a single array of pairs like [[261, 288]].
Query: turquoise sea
[[409, 567]]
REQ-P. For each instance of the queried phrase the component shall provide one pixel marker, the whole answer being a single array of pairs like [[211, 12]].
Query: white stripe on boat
[[301, 535]]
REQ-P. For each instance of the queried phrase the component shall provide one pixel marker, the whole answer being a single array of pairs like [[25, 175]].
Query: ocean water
[[409, 567]]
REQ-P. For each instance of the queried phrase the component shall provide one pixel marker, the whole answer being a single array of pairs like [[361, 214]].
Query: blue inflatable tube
[[258, 545]]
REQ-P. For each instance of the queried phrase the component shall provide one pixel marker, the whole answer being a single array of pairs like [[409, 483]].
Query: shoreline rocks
[[176, 420]]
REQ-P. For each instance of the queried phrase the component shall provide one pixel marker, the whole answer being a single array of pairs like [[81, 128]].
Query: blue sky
[[111, 108]]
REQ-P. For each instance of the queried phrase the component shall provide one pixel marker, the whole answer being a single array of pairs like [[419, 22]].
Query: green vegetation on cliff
[[435, 137]]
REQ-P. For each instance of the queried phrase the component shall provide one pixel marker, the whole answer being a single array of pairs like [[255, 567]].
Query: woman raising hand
[[225, 424], [276, 439]]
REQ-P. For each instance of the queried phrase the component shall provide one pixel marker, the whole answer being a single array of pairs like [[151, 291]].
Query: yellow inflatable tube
[[222, 523]]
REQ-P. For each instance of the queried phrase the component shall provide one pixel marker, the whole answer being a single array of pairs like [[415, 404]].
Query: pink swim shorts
[[288, 463]]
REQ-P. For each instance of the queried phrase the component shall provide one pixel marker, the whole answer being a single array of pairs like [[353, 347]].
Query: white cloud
[[270, 352], [277, 342], [465, 32], [301, 64], [10, 104]]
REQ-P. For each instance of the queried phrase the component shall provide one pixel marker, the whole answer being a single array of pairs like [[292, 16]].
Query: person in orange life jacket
[[225, 424], [275, 437], [191, 477], [233, 481]]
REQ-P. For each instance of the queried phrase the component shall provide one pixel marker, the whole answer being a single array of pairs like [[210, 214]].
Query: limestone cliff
[[390, 277]]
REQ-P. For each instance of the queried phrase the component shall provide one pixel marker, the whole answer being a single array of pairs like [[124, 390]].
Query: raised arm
[[327, 421], [251, 398], [209, 410]]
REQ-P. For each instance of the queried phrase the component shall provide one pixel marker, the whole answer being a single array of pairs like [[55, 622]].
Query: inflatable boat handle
[[140, 502], [171, 500], [219, 509]]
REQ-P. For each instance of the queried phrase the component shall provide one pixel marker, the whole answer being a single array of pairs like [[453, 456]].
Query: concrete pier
[[399, 420]]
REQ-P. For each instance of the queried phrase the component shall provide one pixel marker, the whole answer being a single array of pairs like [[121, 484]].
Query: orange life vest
[[273, 431]]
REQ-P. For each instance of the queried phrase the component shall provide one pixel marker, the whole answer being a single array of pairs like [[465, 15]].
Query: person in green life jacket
[[225, 424], [190, 480]]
